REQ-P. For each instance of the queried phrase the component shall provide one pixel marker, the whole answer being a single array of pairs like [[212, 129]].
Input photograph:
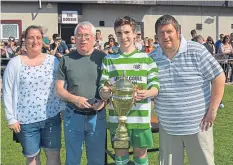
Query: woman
[[31, 106], [226, 48], [111, 47], [210, 42]]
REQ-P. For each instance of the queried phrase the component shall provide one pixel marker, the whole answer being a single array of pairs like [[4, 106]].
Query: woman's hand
[[15, 127]]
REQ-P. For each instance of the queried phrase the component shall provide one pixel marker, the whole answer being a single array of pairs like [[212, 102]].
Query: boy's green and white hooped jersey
[[141, 70]]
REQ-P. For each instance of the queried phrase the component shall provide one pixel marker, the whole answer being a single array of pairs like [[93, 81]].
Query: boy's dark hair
[[126, 20]]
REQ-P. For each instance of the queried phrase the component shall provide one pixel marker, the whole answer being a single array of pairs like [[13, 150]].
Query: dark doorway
[[66, 31]]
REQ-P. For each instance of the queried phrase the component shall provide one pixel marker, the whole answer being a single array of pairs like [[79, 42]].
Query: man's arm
[[217, 91], [63, 93], [66, 48], [79, 101]]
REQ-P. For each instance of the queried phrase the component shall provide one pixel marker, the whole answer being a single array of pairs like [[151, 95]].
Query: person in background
[[140, 66], [85, 116], [46, 42], [210, 42], [4, 53], [231, 40], [193, 34], [139, 42], [30, 103], [226, 48], [22, 48], [72, 45], [107, 43], [192, 86], [150, 46], [99, 42], [201, 40], [59, 47], [11, 47], [218, 43], [156, 44], [111, 47]]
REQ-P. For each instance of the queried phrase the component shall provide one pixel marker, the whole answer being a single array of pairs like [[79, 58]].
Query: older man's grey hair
[[85, 25], [165, 20]]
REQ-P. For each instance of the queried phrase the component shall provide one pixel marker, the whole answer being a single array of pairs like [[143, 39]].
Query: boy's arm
[[153, 85], [104, 91]]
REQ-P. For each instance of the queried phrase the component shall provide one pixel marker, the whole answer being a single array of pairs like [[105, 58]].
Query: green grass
[[223, 139]]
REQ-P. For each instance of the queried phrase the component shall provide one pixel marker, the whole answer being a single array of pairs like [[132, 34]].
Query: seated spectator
[[72, 45], [59, 47], [111, 48]]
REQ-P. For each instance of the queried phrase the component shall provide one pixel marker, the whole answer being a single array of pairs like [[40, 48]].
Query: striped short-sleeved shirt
[[141, 70], [185, 87]]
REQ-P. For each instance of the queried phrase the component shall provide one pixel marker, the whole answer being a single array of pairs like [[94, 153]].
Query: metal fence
[[226, 62]]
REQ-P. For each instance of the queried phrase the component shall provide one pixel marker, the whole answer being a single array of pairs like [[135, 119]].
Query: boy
[[143, 71]]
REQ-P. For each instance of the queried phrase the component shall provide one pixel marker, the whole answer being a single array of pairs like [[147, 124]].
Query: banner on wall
[[69, 17]]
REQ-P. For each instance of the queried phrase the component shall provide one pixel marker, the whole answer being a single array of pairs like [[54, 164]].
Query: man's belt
[[87, 112]]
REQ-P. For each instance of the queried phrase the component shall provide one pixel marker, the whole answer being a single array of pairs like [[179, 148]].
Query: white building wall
[[30, 14], [187, 17]]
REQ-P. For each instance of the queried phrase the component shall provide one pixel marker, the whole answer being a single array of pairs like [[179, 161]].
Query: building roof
[[228, 3]]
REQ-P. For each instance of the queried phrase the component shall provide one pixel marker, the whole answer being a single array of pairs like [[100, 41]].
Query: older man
[[187, 102], [84, 117]]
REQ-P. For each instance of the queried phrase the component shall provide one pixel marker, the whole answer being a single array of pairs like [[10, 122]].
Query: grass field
[[223, 139]]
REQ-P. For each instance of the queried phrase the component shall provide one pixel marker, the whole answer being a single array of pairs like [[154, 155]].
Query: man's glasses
[[86, 36]]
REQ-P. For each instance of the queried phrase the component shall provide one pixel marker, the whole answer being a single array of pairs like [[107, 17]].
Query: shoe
[[221, 106]]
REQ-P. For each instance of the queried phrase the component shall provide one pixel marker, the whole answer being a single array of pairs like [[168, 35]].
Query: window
[[101, 23], [198, 26], [8, 30], [231, 26]]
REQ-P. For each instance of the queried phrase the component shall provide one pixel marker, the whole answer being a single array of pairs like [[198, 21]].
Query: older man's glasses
[[85, 36]]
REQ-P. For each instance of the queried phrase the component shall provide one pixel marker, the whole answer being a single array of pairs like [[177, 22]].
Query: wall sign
[[69, 17]]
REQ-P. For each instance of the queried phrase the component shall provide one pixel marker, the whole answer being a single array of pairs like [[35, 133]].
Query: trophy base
[[121, 144]]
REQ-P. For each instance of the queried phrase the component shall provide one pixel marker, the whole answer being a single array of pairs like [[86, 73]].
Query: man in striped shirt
[[187, 102], [141, 70]]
